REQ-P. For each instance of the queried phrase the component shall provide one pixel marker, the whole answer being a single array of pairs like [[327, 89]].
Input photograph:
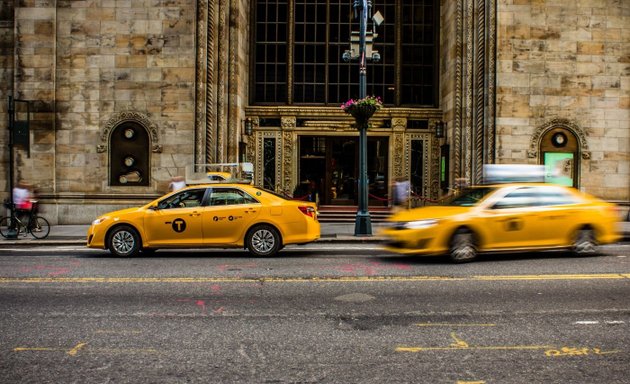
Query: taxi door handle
[[250, 211], [195, 214]]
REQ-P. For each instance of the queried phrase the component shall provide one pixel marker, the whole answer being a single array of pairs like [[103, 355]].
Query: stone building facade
[[171, 82]]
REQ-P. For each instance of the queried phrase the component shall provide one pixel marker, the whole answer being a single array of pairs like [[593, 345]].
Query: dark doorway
[[329, 168]]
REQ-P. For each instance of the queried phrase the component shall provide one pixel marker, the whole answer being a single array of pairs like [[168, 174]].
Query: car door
[[176, 220], [514, 221], [230, 212], [558, 212]]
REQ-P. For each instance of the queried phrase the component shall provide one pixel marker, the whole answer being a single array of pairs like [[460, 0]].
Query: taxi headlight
[[420, 224], [99, 220]]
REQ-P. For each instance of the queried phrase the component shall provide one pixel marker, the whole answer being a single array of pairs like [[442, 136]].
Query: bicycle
[[14, 226]]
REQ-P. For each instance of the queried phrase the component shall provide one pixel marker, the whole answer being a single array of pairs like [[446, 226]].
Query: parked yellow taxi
[[208, 215], [505, 217]]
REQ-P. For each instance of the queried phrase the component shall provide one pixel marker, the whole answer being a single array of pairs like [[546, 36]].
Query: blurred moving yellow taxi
[[505, 217], [208, 215]]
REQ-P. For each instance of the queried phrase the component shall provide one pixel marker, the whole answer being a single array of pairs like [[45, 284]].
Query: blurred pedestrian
[[25, 203], [22, 197], [400, 192]]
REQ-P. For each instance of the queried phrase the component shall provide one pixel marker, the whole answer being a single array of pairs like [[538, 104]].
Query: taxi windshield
[[469, 197]]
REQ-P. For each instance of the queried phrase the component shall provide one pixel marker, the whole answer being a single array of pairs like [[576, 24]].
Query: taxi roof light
[[513, 173], [241, 173]]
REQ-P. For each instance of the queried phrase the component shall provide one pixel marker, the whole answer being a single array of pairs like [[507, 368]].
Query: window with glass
[[189, 198], [229, 196], [298, 46]]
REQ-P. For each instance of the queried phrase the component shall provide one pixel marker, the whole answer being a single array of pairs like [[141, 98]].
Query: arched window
[[129, 155], [559, 154]]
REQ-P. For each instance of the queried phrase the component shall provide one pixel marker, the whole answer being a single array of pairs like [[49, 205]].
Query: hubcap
[[123, 242], [263, 241]]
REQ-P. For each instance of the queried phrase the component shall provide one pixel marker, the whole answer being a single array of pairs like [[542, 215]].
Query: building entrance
[[329, 170]]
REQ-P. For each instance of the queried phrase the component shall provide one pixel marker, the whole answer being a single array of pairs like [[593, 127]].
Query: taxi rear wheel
[[124, 241], [585, 243], [462, 247], [263, 240]]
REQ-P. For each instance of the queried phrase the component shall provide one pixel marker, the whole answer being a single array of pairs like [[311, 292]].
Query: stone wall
[[82, 64], [567, 60]]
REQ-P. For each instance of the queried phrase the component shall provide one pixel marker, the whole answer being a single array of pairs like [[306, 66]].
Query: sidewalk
[[331, 232]]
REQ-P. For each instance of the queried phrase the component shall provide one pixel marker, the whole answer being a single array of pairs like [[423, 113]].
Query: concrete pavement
[[331, 232]]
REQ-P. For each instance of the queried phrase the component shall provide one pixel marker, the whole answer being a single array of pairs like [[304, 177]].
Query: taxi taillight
[[307, 210]]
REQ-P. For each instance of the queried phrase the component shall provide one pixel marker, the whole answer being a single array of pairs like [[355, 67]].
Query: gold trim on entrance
[[398, 163]]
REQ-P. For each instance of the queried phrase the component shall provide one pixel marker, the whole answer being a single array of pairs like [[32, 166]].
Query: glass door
[[329, 170]]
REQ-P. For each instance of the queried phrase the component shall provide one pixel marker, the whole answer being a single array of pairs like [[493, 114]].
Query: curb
[[56, 242]]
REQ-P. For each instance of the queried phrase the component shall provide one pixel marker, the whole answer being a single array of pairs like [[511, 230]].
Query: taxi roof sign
[[220, 172], [513, 173]]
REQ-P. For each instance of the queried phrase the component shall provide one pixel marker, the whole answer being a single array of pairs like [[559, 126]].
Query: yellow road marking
[[22, 349], [75, 350], [351, 279], [481, 348], [458, 342]]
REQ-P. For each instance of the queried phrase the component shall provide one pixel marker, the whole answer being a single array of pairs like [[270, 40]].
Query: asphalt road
[[317, 314]]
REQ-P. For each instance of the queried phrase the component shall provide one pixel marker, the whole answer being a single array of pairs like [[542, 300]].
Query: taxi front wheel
[[124, 241], [462, 247], [263, 240]]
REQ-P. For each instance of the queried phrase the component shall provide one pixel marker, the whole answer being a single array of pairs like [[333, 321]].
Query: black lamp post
[[363, 222]]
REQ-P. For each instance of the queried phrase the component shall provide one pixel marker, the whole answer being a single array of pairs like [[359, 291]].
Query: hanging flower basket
[[362, 109]]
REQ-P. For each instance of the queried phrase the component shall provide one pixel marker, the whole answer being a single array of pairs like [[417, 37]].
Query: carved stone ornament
[[570, 126], [101, 148]]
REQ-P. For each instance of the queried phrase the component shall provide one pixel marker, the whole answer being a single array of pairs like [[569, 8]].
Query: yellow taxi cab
[[505, 217], [227, 215]]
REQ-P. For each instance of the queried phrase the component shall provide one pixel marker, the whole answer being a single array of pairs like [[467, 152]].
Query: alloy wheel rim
[[263, 241], [123, 242]]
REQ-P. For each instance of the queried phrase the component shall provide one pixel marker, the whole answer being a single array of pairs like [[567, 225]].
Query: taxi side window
[[230, 196], [186, 199], [521, 198], [555, 196]]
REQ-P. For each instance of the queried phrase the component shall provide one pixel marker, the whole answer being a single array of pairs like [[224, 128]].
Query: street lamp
[[363, 8]]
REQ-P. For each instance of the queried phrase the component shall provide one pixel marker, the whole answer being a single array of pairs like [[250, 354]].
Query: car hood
[[121, 212], [436, 212]]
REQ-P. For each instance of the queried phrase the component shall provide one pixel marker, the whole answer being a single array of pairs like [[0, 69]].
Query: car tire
[[263, 241], [584, 243], [462, 247], [124, 241]]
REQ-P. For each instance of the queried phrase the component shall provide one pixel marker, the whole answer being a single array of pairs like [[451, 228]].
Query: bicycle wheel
[[7, 225], [40, 229]]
